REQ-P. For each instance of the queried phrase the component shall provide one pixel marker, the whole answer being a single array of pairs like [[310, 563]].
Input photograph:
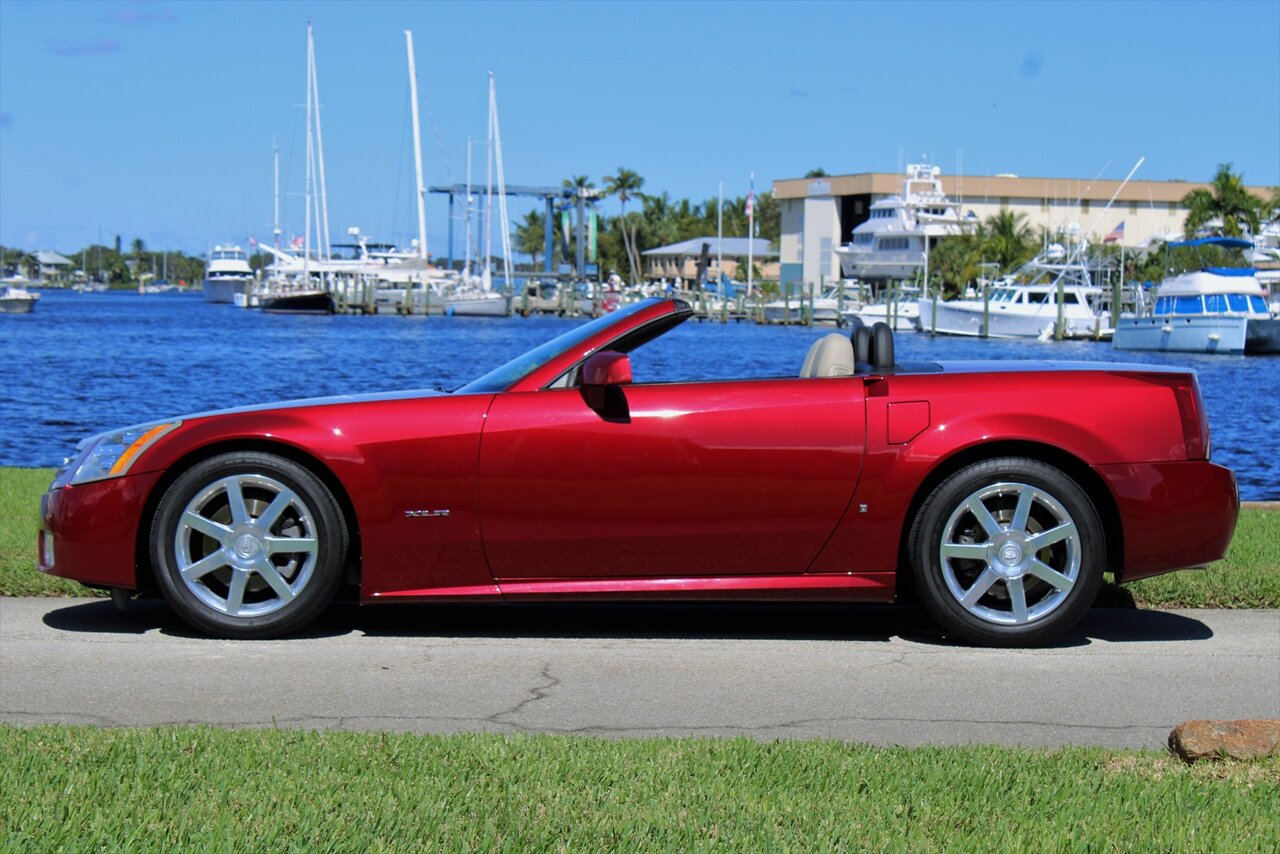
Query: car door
[[686, 479]]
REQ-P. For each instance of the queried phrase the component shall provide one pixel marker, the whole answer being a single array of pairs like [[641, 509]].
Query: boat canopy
[[1225, 242], [1203, 282], [1231, 271]]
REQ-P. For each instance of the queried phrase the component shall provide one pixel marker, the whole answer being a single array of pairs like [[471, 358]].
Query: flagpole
[[751, 227]]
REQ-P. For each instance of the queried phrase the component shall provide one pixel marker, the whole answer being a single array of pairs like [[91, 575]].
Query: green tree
[[138, 249], [1008, 241], [816, 173], [1226, 201], [626, 184], [531, 235]]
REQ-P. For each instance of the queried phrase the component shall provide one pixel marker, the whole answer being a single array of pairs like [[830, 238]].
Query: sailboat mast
[[306, 238], [323, 237], [466, 264], [417, 149], [275, 230], [502, 183], [720, 234], [488, 198]]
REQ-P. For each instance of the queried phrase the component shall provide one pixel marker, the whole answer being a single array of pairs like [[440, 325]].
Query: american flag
[[751, 198], [1117, 233]]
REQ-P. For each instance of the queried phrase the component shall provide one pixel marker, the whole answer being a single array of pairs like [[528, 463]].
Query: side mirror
[[602, 371]]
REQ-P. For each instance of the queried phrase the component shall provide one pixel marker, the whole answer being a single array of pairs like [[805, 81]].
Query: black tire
[[1040, 543], [246, 578]]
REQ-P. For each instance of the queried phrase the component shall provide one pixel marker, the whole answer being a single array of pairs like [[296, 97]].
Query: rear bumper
[[89, 533], [1175, 515]]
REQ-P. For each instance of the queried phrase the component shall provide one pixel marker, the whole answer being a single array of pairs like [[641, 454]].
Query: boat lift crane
[[578, 197]]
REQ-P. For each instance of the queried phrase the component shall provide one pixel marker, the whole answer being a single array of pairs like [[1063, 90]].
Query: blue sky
[[156, 119]]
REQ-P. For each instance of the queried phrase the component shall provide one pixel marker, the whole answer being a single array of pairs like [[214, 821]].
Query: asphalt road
[[877, 675]]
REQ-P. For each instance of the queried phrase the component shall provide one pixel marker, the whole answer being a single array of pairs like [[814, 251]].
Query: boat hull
[[17, 305], [225, 290], [1262, 335], [1185, 334], [494, 306], [308, 302], [964, 317]]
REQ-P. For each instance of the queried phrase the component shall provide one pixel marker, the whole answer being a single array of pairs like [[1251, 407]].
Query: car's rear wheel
[[248, 545], [1007, 552]]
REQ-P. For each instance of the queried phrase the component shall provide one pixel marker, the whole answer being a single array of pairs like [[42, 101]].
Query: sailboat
[[301, 292], [475, 296]]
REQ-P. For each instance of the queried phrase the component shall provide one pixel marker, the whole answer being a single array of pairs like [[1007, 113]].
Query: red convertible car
[[995, 493]]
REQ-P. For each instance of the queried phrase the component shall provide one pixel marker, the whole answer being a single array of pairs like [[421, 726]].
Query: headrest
[[830, 356]]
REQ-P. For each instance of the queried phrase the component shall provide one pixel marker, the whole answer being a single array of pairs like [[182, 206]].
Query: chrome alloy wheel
[[1010, 553], [246, 545]]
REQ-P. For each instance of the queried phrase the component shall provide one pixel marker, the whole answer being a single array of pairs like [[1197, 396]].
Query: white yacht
[[1212, 310], [1026, 304], [891, 244], [17, 300], [227, 274]]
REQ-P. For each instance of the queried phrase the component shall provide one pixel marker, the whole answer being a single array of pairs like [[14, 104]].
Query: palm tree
[[531, 235], [137, 249], [624, 185], [1009, 240], [1227, 201]]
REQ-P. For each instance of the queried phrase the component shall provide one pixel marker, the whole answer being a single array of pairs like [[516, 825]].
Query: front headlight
[[109, 454]]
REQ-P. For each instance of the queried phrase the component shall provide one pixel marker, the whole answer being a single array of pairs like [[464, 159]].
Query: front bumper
[[1175, 515], [89, 532]]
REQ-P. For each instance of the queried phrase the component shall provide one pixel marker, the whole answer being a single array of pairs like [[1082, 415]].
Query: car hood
[[333, 400]]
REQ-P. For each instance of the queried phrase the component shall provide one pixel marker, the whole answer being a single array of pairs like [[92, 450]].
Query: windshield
[[521, 366]]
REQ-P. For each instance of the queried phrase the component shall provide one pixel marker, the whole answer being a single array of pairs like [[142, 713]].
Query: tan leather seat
[[830, 356]]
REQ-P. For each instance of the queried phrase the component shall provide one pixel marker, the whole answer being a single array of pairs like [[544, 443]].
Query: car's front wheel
[[1008, 552], [248, 545]]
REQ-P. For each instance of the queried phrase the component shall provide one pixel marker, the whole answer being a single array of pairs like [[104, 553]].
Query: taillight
[[1195, 427]]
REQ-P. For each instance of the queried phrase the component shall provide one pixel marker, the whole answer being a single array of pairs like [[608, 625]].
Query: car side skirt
[[847, 587]]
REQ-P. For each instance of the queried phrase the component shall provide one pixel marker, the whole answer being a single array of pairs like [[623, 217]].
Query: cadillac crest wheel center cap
[[247, 546], [1010, 554]]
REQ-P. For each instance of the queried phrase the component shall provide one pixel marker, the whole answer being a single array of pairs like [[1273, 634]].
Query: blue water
[[84, 363]]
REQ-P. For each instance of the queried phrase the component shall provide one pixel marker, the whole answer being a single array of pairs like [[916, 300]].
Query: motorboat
[[228, 273], [892, 244], [18, 300], [827, 307], [298, 300], [1026, 305], [1211, 310]]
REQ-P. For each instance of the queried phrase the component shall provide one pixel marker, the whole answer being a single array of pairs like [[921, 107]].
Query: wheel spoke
[[235, 596], [1022, 511], [204, 566], [1044, 539], [205, 525], [979, 588], [967, 551], [289, 545], [1050, 575], [273, 577], [235, 501], [1017, 598], [277, 506], [983, 515]]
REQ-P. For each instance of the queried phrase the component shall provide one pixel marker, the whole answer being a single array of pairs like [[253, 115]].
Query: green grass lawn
[[72, 788], [1248, 578]]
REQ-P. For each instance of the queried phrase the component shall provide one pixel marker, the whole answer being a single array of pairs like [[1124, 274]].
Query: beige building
[[681, 259], [819, 214]]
